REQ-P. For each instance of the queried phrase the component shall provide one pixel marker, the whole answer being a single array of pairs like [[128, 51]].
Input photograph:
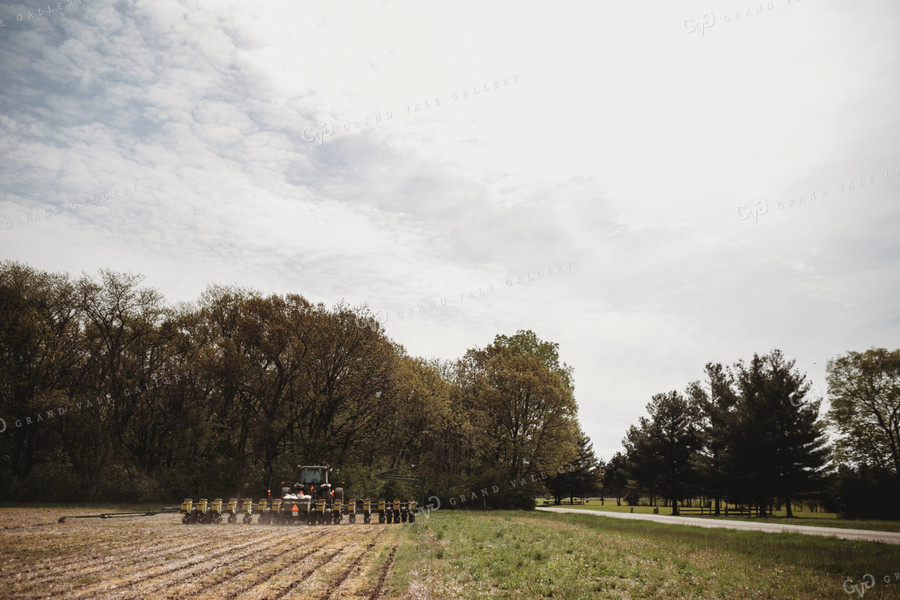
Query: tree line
[[752, 435], [108, 393]]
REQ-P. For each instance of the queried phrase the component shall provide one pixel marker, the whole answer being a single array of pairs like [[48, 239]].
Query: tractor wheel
[[412, 517], [367, 519], [352, 519], [247, 519], [232, 519], [403, 516]]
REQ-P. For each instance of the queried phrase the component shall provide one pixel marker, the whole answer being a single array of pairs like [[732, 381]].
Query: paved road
[[886, 537]]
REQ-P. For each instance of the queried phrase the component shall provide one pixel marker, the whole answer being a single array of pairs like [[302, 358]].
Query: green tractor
[[315, 499]]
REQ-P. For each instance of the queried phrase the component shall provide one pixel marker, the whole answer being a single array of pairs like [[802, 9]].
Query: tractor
[[315, 499]]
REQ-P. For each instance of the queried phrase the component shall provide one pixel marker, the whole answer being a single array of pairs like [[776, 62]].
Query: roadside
[[887, 537], [818, 519]]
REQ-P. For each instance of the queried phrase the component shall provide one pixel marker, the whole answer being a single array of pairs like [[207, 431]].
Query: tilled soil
[[158, 557]]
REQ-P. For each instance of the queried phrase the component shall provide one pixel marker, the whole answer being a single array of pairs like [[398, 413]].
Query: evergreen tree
[[615, 477], [775, 447], [583, 479], [713, 412], [660, 451]]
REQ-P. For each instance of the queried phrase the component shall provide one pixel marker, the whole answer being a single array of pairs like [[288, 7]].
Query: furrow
[[286, 543], [382, 577], [304, 576], [188, 565], [346, 573]]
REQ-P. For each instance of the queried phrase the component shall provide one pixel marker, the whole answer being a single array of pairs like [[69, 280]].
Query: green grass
[[804, 518], [462, 554]]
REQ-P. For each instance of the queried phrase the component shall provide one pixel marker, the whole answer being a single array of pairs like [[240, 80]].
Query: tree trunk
[[790, 512]]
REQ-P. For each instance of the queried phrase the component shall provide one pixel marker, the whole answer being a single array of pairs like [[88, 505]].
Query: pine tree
[[775, 447], [660, 452]]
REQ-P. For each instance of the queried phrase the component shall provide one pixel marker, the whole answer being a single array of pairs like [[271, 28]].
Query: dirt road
[[158, 557]]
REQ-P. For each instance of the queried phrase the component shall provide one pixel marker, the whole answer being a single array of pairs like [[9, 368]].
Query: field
[[158, 557], [445, 554], [540, 555]]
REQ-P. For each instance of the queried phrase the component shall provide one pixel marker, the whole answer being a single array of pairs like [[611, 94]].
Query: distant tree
[[660, 450], [108, 393], [774, 446], [714, 412], [864, 388], [39, 348], [587, 474], [582, 480], [863, 492], [125, 344], [615, 477], [523, 399], [642, 465]]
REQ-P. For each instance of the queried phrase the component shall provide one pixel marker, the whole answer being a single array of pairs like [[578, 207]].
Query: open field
[[445, 554], [539, 555], [158, 557], [801, 518]]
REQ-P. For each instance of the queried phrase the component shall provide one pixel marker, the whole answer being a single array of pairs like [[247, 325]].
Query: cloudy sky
[[652, 185]]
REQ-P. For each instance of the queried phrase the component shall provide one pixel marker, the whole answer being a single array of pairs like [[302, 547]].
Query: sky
[[651, 185]]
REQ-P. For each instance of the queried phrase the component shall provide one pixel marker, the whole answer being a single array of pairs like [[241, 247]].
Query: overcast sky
[[689, 185]]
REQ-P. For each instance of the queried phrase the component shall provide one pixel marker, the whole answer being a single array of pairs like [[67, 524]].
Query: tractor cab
[[314, 481]]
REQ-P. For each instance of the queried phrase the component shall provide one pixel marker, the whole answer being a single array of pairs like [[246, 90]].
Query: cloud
[[625, 152]]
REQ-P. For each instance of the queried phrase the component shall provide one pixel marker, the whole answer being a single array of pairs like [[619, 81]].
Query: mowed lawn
[[461, 554]]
